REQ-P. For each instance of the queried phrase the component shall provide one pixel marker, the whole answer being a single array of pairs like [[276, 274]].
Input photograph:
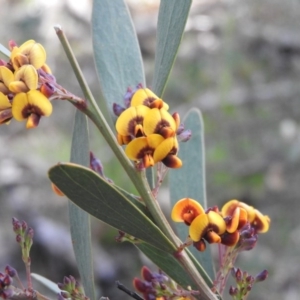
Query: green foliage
[[189, 180], [79, 220], [171, 23], [103, 201], [117, 53]]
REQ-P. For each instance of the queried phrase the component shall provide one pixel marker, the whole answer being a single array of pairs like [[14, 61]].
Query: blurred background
[[239, 63]]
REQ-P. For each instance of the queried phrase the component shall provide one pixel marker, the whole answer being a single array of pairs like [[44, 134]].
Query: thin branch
[[134, 295]]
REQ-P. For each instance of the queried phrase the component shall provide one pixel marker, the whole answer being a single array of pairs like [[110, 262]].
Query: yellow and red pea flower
[[25, 79], [147, 115], [26, 95], [257, 220], [209, 226], [225, 226], [143, 148], [186, 210], [130, 123], [166, 152], [29, 53], [31, 106]]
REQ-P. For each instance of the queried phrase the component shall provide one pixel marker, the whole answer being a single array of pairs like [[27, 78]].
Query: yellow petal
[[18, 59], [146, 97], [33, 102], [158, 119], [186, 210], [20, 103], [4, 102], [28, 74], [261, 223], [229, 207], [35, 53], [42, 106], [250, 211], [216, 222], [233, 222], [168, 146], [29, 52], [129, 118], [142, 97], [154, 140], [134, 149], [198, 227], [141, 146], [18, 87], [6, 75]]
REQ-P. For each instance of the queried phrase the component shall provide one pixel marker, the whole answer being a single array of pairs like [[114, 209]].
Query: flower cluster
[[235, 222], [71, 289], [6, 290], [244, 282], [157, 286], [24, 91], [148, 129]]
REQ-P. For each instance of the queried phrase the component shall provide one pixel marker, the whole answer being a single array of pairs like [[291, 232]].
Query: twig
[[134, 295]]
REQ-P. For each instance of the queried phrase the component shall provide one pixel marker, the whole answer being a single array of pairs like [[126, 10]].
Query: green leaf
[[79, 219], [103, 201], [117, 53], [168, 264], [4, 52], [170, 27], [134, 200], [189, 180], [52, 286]]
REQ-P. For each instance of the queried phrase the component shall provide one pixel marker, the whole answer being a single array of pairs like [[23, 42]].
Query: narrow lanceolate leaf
[[168, 264], [170, 27], [103, 201], [50, 285], [189, 180], [79, 219], [117, 52], [4, 52]]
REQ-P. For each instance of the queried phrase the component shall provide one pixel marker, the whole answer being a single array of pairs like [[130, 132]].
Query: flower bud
[[47, 89], [65, 295], [139, 285], [261, 276], [233, 291], [16, 225], [60, 297], [184, 136], [10, 271], [24, 225], [7, 280], [117, 109], [19, 238], [147, 274]]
